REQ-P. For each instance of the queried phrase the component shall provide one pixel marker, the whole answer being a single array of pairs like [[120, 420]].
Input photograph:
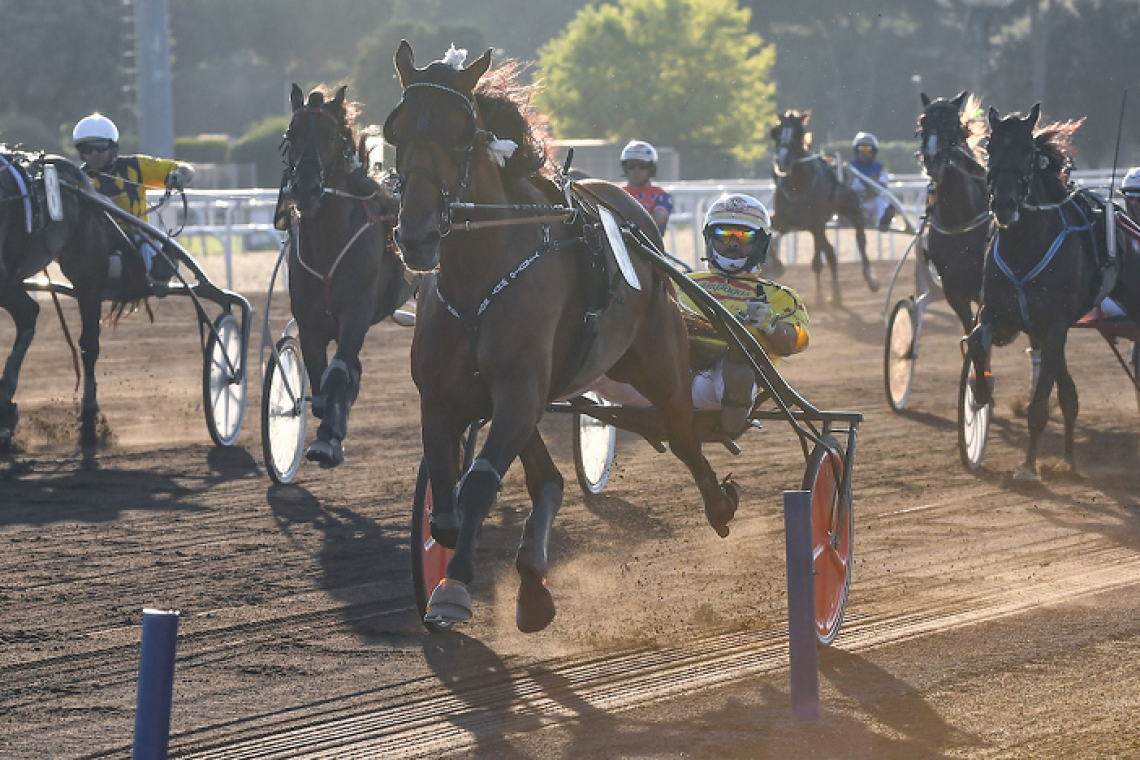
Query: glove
[[175, 181], [758, 312]]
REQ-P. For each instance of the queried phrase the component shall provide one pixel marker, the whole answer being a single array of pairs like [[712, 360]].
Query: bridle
[[465, 153], [311, 154], [785, 142]]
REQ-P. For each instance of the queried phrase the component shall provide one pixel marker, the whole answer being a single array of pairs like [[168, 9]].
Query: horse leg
[[24, 311], [90, 307], [822, 244], [534, 608], [1052, 360], [314, 352], [817, 270], [1070, 406], [861, 246], [978, 345], [340, 385]]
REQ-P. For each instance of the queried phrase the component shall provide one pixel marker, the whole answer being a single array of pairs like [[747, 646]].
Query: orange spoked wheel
[[429, 558], [832, 528]]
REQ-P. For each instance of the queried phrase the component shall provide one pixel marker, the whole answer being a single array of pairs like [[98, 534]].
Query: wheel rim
[[900, 355], [225, 405], [832, 550], [594, 449], [285, 411], [974, 423]]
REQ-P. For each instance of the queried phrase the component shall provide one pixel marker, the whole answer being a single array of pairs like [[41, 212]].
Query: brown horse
[[82, 240], [345, 275], [521, 311], [808, 193]]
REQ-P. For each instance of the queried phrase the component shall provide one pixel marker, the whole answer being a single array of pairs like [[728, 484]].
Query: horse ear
[[406, 64], [1034, 114], [925, 100], [469, 76], [296, 97], [337, 102], [958, 101], [994, 117], [807, 116]]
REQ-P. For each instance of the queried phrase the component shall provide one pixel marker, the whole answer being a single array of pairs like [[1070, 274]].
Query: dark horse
[[808, 193], [521, 312], [1047, 265], [82, 240], [957, 209], [344, 273]]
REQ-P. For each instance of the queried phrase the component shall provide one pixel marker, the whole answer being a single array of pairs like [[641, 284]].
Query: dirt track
[[987, 619]]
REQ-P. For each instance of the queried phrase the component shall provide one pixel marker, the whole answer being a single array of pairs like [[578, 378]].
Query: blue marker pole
[[156, 684], [804, 665]]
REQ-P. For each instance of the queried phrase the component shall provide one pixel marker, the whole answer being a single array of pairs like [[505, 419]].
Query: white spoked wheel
[[594, 445], [900, 354], [224, 380], [284, 411], [973, 421], [832, 530]]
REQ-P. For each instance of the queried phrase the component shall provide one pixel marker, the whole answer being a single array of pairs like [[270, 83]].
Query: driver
[[876, 210], [639, 165], [124, 180], [737, 231]]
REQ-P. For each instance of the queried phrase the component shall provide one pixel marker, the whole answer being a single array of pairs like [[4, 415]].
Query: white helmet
[[865, 138], [637, 150], [738, 210], [1131, 183], [95, 127]]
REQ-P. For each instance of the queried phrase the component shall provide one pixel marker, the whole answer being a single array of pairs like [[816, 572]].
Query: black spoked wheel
[[429, 558], [284, 411], [973, 420], [832, 530], [594, 443], [224, 380], [900, 354]]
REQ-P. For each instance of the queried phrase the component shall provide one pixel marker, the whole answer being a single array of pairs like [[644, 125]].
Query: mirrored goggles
[[738, 235], [97, 146]]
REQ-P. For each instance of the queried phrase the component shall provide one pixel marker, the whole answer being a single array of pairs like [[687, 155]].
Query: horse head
[[1013, 163], [792, 140], [318, 145], [941, 133], [434, 129]]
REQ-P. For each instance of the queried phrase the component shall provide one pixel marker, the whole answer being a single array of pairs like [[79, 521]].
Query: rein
[[326, 279]]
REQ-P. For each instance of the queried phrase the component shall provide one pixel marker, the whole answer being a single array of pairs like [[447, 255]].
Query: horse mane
[[1055, 142], [322, 96], [972, 126], [507, 108]]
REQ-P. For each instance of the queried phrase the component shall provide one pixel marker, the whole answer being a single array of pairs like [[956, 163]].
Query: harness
[[20, 177], [1066, 228]]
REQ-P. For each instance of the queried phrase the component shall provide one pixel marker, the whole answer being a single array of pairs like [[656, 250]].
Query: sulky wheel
[[224, 380], [1135, 361], [973, 420], [900, 354], [284, 411], [594, 442], [832, 529], [429, 559]]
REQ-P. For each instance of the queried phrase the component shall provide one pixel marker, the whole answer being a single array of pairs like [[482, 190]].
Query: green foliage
[[199, 150], [374, 81], [261, 146], [683, 73]]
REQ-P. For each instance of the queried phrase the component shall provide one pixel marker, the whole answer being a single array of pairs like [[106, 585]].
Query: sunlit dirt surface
[[987, 618]]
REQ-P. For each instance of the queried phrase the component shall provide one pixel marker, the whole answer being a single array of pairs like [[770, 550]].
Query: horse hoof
[[534, 608], [6, 436], [445, 528], [1025, 475], [724, 510], [872, 280], [449, 605], [327, 453]]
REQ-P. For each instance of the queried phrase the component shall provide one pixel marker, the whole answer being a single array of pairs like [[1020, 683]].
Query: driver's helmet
[[639, 150], [737, 210], [1130, 187], [94, 127], [865, 145]]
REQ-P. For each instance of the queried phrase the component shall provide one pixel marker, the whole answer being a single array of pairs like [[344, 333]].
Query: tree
[[683, 73]]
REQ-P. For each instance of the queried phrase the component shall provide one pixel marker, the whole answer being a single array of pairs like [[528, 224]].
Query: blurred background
[[701, 79]]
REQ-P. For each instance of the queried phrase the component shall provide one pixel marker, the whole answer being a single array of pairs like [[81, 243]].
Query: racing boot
[[736, 404]]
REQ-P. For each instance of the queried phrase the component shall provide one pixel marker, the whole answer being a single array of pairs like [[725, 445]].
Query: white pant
[[707, 389]]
